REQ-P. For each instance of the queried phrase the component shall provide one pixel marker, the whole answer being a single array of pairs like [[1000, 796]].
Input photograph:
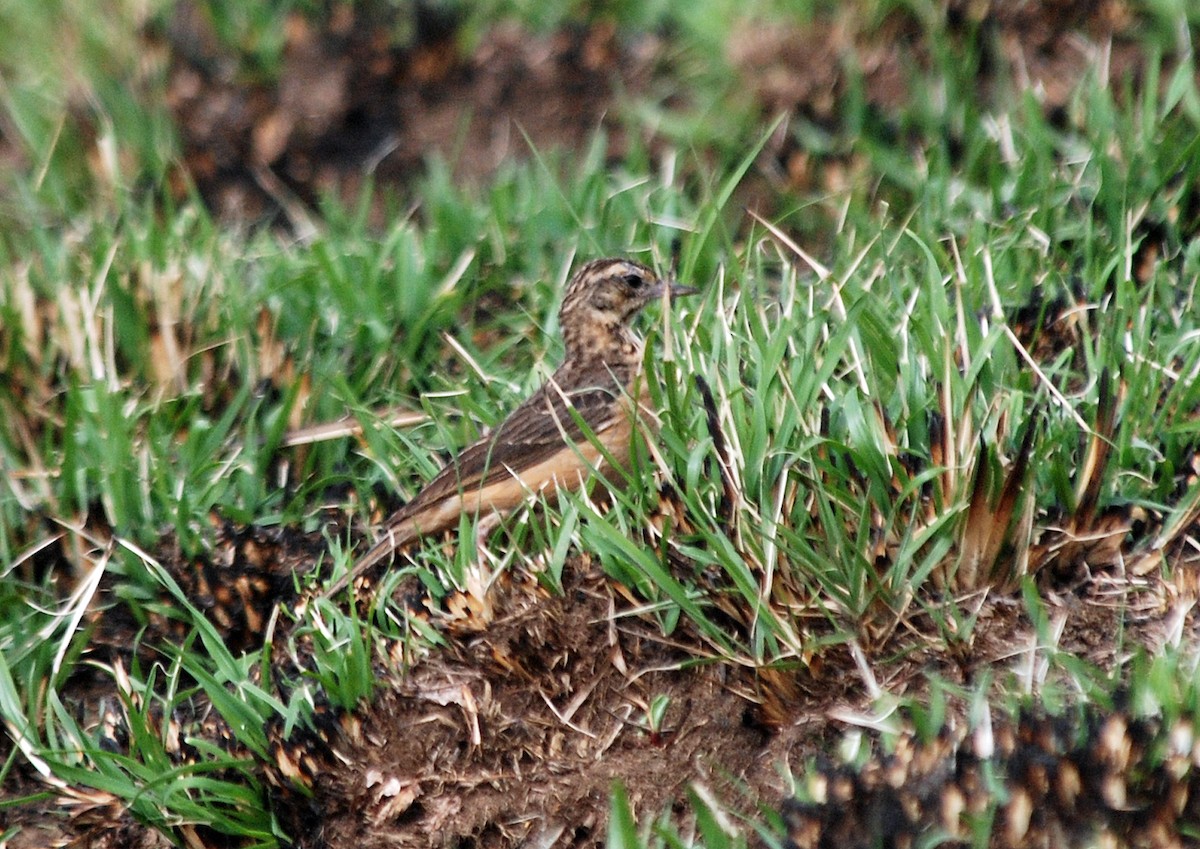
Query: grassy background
[[153, 359]]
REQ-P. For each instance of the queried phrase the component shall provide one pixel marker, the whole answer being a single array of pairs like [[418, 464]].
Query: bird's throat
[[613, 344]]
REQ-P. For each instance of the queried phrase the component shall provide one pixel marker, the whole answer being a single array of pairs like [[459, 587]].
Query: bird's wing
[[533, 432]]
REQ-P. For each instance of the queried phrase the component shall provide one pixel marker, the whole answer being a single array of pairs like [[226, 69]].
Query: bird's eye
[[634, 281]]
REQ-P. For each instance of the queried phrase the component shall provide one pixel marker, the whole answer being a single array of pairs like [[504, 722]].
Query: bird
[[580, 418]]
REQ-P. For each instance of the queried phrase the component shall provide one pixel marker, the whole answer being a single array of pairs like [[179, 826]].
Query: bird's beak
[[675, 289]]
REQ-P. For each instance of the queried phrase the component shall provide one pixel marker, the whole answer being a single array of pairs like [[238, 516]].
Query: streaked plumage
[[541, 445]]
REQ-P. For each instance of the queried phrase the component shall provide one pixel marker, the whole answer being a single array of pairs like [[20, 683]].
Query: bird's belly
[[569, 468]]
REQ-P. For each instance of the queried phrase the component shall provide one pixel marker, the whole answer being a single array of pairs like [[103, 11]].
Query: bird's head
[[610, 292]]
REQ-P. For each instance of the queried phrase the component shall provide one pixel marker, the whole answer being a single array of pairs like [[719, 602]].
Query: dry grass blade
[[1183, 521], [349, 426], [820, 270], [1091, 474], [304, 226], [988, 529], [978, 527], [1006, 534]]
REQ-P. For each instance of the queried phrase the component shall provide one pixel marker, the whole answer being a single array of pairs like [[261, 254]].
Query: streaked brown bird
[[542, 445]]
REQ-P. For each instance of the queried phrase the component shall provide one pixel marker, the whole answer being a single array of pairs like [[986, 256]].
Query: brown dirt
[[520, 732], [353, 104], [517, 731]]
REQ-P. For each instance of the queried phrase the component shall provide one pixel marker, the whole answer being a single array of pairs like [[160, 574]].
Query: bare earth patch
[[352, 103], [516, 732], [519, 733]]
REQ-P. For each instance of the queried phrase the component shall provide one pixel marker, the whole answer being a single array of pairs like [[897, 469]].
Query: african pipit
[[542, 445]]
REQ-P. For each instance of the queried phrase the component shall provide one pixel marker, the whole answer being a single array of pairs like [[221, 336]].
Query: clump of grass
[[929, 393]]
